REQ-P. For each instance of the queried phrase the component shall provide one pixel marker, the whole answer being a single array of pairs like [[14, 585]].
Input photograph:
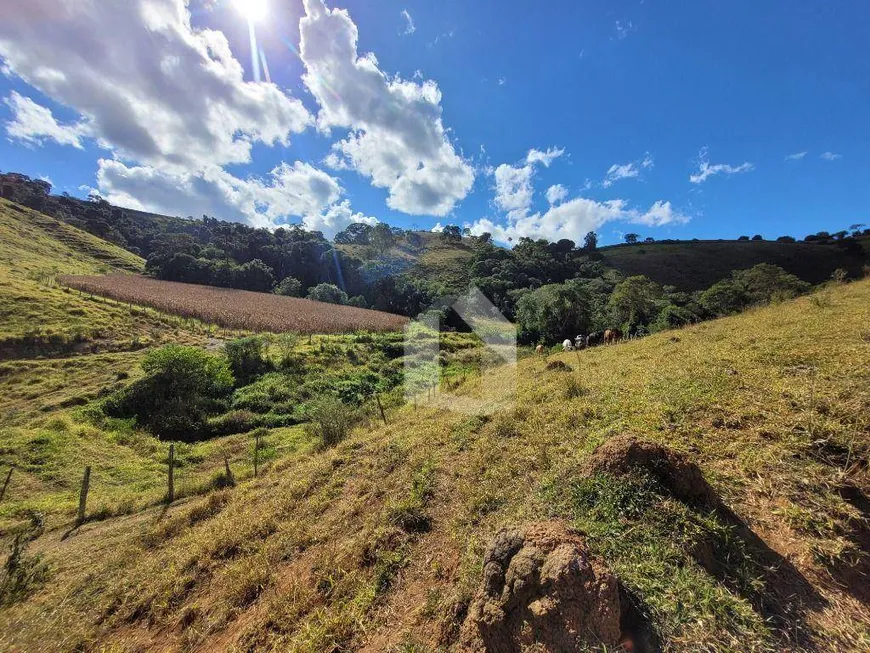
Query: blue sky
[[672, 120]]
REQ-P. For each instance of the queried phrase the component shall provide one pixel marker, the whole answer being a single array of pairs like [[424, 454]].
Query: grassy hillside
[[58, 351], [37, 318], [376, 544], [698, 265], [425, 256]]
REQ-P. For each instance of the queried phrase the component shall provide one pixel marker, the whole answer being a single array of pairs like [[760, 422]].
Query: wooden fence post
[[170, 495], [256, 452], [83, 495], [230, 479], [381, 408], [6, 483]]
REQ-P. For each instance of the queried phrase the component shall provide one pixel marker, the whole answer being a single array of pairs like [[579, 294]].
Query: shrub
[[289, 287], [246, 357], [330, 420], [182, 386], [235, 421], [329, 293]]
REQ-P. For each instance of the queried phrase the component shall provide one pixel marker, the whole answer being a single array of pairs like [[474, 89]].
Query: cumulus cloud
[[513, 188], [707, 170], [34, 124], [556, 193], [410, 28], [576, 217], [565, 218], [831, 156], [297, 190], [797, 156], [150, 86], [396, 135], [513, 183]]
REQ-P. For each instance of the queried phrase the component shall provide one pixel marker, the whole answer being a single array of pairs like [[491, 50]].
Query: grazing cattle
[[539, 349], [579, 342], [567, 345], [593, 339], [612, 336]]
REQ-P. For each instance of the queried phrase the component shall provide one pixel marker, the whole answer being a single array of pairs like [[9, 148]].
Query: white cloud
[[556, 193], [565, 218], [617, 172], [150, 86], [502, 81], [410, 28], [831, 156], [438, 228], [537, 156], [797, 156], [397, 138], [630, 170], [336, 218], [706, 170], [297, 190], [513, 188], [575, 218], [34, 124]]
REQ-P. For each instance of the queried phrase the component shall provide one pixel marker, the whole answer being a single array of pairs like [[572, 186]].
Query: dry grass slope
[[376, 545]]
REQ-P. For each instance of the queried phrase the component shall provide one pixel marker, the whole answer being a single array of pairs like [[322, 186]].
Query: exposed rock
[[624, 453], [543, 592]]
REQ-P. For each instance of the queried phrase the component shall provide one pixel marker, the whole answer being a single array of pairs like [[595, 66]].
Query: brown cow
[[612, 336], [539, 349]]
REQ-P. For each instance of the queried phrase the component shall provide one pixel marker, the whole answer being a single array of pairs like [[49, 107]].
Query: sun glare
[[253, 10]]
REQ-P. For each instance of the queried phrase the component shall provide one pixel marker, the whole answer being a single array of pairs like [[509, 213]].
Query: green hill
[[697, 265], [377, 544], [38, 318]]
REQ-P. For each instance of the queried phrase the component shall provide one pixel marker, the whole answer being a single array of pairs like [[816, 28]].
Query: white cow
[[567, 345]]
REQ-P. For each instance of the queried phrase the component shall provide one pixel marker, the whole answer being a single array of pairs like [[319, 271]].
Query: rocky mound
[[624, 453], [542, 591]]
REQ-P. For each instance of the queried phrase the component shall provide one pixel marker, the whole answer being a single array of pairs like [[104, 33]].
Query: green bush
[[329, 293], [330, 420], [181, 388], [289, 287], [246, 357]]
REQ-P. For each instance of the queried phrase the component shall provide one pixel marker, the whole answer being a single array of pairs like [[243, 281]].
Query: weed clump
[[22, 574], [330, 420]]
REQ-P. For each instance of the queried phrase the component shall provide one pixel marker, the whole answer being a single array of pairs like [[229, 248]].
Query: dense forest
[[551, 289]]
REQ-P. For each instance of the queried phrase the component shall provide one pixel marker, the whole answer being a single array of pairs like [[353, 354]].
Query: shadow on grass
[[648, 511]]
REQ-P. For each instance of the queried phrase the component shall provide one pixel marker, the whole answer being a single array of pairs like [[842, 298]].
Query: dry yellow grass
[[376, 544]]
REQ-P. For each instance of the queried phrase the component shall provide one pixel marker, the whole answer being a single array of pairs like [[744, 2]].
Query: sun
[[253, 10]]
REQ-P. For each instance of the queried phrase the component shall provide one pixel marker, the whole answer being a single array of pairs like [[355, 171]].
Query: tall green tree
[[634, 301], [554, 312]]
